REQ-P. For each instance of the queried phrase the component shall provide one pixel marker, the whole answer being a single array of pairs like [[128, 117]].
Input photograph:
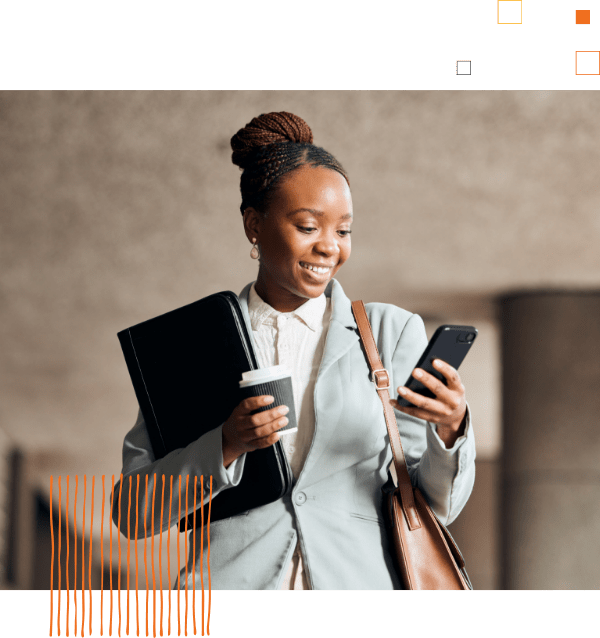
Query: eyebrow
[[317, 213]]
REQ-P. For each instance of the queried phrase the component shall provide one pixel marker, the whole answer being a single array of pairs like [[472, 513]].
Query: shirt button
[[300, 498]]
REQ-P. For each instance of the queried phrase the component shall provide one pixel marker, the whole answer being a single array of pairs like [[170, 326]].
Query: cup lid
[[266, 374]]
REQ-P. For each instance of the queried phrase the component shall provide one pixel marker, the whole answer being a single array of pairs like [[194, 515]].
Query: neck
[[280, 299]]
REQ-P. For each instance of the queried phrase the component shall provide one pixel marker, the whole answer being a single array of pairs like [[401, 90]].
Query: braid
[[270, 146]]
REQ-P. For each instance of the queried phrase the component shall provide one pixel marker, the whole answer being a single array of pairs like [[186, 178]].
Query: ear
[[252, 223]]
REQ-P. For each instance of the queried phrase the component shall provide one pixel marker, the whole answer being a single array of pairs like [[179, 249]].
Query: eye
[[307, 230]]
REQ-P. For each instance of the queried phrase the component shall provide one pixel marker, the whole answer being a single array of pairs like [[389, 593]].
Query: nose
[[327, 244]]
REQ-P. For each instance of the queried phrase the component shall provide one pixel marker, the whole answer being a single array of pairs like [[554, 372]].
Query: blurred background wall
[[470, 207]]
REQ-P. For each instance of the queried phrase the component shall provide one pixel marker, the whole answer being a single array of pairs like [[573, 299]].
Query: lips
[[315, 277], [303, 264]]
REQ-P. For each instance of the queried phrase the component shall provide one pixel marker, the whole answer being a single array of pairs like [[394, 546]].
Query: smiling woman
[[297, 214], [306, 238], [296, 204]]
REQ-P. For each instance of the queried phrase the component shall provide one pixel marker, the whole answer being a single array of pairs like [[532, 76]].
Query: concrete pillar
[[551, 440]]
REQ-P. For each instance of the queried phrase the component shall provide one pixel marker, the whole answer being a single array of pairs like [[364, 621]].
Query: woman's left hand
[[448, 409]]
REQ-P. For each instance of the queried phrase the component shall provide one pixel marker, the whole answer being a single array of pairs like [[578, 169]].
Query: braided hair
[[270, 146]]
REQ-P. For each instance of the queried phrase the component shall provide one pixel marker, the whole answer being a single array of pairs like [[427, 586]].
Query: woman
[[329, 532]]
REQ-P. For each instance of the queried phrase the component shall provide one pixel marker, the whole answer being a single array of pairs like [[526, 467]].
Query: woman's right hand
[[245, 432]]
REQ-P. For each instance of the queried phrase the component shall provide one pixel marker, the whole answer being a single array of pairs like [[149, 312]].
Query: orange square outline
[[576, 52], [498, 11]]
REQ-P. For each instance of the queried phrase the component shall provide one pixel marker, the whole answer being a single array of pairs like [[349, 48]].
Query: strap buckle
[[384, 379]]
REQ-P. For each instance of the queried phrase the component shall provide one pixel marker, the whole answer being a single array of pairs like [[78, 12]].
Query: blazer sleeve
[[445, 476], [204, 457]]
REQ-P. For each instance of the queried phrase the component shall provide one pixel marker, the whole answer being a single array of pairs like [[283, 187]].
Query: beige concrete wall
[[118, 206]]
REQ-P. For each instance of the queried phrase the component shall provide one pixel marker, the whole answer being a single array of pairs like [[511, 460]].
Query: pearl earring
[[254, 252]]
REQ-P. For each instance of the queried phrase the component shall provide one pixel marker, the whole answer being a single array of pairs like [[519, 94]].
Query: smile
[[318, 270]]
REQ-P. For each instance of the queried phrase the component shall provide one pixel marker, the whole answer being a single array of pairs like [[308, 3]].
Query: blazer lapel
[[329, 389], [342, 332]]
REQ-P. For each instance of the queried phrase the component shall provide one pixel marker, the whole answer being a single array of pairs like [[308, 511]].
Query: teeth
[[321, 271]]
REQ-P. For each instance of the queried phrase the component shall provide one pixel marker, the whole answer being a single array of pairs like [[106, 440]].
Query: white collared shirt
[[297, 340]]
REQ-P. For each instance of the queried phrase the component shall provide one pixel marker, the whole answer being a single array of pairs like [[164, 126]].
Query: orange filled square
[[582, 16]]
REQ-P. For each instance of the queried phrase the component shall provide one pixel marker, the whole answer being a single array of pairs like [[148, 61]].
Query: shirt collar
[[311, 311]]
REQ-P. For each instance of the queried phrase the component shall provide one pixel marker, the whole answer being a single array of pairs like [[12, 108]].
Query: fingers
[[448, 401], [451, 374], [435, 385], [264, 441], [445, 393], [253, 403], [260, 429], [267, 433], [424, 403], [266, 418]]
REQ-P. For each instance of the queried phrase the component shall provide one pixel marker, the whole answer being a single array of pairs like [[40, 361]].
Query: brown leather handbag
[[426, 555]]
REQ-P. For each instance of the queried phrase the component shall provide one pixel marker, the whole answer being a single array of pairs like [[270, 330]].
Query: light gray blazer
[[334, 508]]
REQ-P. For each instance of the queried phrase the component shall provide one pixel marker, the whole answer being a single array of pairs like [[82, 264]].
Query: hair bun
[[266, 129]]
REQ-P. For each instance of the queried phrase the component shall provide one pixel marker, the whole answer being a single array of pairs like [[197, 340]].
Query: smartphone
[[450, 344]]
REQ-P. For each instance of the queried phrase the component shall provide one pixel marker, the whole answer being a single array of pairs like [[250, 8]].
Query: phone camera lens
[[470, 337]]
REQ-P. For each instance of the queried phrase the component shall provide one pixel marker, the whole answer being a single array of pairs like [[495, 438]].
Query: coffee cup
[[275, 381]]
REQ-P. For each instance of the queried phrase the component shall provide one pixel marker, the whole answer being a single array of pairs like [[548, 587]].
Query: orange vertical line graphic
[[194, 556], [59, 539], [119, 546], [202, 546], [91, 539], [162, 502], [208, 556], [169, 550], [52, 560], [67, 558], [112, 505], [102, 562], [185, 557], [75, 550], [145, 561], [178, 564], [152, 547], [128, 542], [137, 604], [83, 557]]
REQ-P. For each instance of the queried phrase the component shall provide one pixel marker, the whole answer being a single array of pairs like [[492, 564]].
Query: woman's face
[[308, 224]]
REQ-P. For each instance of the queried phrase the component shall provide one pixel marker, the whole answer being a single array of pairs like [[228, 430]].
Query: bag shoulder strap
[[381, 378]]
